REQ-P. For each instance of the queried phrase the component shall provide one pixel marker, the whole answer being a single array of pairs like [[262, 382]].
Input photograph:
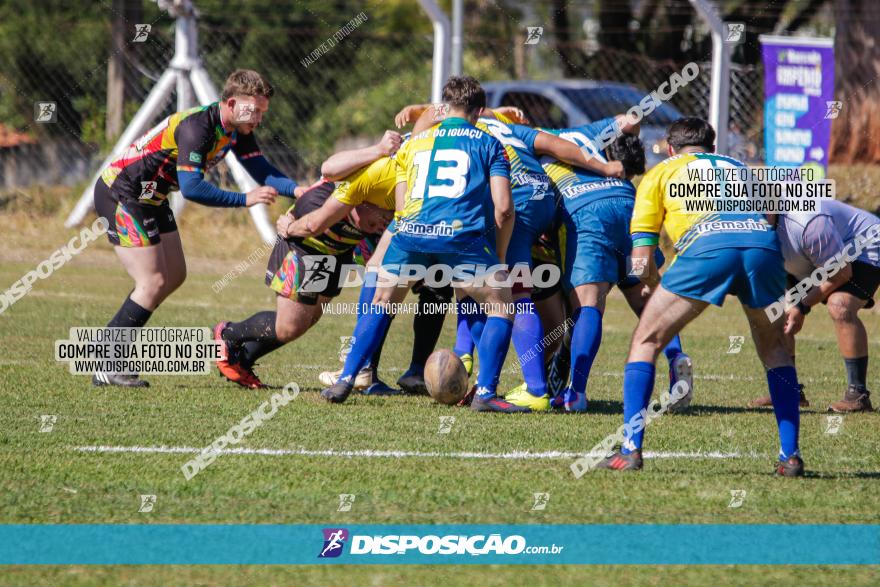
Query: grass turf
[[43, 480]]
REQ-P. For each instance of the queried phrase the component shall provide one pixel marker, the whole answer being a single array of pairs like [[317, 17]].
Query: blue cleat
[[570, 401], [381, 388]]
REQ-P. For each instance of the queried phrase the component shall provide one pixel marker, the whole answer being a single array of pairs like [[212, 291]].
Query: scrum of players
[[481, 191]]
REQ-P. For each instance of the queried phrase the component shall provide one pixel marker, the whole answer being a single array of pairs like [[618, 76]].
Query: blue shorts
[[481, 255], [598, 243], [755, 275], [534, 219]]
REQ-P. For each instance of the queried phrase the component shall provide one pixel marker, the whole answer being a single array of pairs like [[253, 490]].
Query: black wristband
[[805, 309]]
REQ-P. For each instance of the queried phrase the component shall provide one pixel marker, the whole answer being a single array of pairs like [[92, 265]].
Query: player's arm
[[647, 220], [569, 152], [345, 163], [193, 145], [506, 114], [315, 222], [499, 185], [264, 173], [504, 213], [409, 114]]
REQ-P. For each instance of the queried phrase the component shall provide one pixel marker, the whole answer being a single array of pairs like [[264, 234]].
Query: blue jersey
[[575, 186], [448, 199], [528, 181]]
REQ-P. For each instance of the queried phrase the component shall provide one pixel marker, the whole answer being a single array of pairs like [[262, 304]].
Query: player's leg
[[464, 342], [495, 340], [427, 326], [665, 314], [552, 307], [588, 301], [375, 319], [681, 367], [135, 235], [759, 283], [852, 340]]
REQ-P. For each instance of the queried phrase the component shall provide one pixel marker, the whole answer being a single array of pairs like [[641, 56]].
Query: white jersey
[[809, 240]]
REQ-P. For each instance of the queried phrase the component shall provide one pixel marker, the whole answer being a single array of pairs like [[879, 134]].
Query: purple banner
[[799, 100]]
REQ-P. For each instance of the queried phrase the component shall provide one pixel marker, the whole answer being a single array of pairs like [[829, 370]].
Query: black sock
[[377, 354], [427, 327], [259, 328], [254, 349], [857, 371], [130, 315]]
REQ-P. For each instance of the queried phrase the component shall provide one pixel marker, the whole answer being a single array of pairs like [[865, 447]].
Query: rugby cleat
[[766, 402], [338, 392], [520, 396], [557, 371], [622, 462], [856, 399], [413, 382], [681, 369], [793, 466], [468, 361], [363, 380], [570, 401], [101, 379], [380, 388], [243, 376], [496, 404]]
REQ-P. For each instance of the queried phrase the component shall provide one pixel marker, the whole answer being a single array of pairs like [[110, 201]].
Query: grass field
[[44, 479]]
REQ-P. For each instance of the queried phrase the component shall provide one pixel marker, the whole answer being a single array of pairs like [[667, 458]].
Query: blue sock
[[368, 335], [785, 393], [492, 351], [673, 349], [528, 340], [475, 319], [638, 383], [464, 343], [368, 290], [586, 336]]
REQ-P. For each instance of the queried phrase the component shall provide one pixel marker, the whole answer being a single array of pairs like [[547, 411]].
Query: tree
[[854, 134]]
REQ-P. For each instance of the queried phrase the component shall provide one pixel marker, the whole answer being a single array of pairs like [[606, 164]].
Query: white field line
[[516, 455]]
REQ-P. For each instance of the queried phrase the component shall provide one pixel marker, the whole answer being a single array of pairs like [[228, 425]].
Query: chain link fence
[[338, 85]]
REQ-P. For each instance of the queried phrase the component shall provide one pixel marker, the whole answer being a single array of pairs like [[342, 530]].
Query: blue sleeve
[[195, 188], [264, 173], [499, 165], [526, 134], [594, 129]]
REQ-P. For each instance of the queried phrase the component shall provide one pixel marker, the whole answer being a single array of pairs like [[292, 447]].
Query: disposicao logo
[[334, 540]]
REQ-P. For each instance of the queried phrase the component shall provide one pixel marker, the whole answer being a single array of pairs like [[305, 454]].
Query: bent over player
[[454, 192], [717, 255], [132, 193]]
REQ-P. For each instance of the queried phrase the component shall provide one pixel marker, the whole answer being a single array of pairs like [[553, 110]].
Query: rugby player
[[809, 240], [740, 256], [595, 213], [535, 209], [132, 192], [318, 237], [428, 321], [455, 210]]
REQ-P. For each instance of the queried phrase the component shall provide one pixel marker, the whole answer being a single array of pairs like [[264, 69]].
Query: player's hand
[[794, 321], [513, 113], [408, 115], [282, 225], [390, 143], [261, 195], [299, 190], [614, 169]]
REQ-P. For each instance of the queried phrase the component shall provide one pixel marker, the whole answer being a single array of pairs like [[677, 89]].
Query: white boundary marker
[[398, 454]]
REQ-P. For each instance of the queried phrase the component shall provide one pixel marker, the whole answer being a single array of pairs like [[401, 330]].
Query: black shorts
[[132, 224], [302, 276], [864, 282]]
